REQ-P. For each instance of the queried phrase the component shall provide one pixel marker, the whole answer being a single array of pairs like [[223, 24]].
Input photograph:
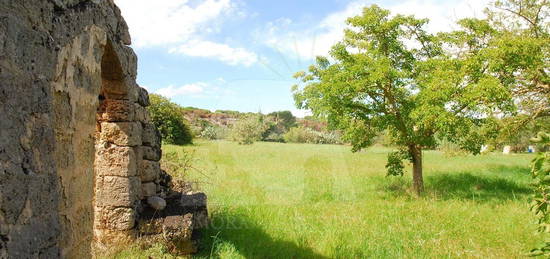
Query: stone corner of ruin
[[79, 154]]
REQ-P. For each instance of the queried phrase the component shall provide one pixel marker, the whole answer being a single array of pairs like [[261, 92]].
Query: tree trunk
[[418, 182]]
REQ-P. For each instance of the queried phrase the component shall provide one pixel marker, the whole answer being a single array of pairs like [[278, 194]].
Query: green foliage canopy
[[518, 52], [168, 119], [388, 73], [283, 118]]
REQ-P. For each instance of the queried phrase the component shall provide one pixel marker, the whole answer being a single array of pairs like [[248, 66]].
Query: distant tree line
[[280, 126], [179, 125]]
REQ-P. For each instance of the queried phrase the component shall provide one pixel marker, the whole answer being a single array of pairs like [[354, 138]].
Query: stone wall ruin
[[79, 156]]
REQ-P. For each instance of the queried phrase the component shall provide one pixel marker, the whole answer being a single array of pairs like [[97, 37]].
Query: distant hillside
[[197, 116]]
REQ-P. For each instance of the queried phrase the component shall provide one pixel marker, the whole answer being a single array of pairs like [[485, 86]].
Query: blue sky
[[241, 55]]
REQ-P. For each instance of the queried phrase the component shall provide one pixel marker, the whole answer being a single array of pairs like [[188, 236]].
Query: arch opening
[[112, 76], [117, 139]]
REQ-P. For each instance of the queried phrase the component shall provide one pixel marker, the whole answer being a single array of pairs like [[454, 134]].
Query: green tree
[[248, 129], [278, 124], [518, 52], [388, 73], [511, 47], [168, 118], [284, 118]]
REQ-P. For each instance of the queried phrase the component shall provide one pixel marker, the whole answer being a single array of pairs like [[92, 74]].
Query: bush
[[214, 132], [248, 130], [199, 125], [169, 120], [307, 135], [331, 137], [298, 135], [274, 137]]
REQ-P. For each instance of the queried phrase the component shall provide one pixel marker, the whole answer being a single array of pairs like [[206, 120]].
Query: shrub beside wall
[[168, 119]]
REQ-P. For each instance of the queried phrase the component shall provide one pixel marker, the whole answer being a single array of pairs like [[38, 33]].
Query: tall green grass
[[272, 200]]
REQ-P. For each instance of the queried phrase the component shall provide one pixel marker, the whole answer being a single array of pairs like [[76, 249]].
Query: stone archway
[[107, 148], [79, 154], [118, 140], [127, 154], [108, 151], [75, 86]]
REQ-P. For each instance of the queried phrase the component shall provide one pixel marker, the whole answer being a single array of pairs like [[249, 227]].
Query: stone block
[[129, 80], [151, 136], [112, 160], [156, 202], [121, 133], [141, 113], [150, 171], [116, 110], [113, 87], [178, 230], [105, 238], [125, 38], [178, 227], [114, 218], [139, 155], [151, 226], [180, 204], [153, 154], [201, 219], [143, 97], [115, 191], [148, 189], [194, 202]]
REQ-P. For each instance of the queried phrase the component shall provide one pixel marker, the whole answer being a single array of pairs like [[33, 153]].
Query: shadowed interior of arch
[[112, 76]]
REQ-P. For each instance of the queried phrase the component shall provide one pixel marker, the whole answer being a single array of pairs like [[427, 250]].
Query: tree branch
[[401, 123], [535, 26]]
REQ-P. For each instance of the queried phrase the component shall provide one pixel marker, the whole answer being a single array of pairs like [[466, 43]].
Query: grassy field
[[271, 200]]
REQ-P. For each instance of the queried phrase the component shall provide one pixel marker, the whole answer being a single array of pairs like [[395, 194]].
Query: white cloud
[[442, 15], [316, 41], [222, 52], [189, 89], [181, 26], [207, 89], [157, 23]]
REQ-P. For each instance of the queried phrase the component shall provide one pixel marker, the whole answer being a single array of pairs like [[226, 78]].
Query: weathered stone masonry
[[79, 157], [127, 154]]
